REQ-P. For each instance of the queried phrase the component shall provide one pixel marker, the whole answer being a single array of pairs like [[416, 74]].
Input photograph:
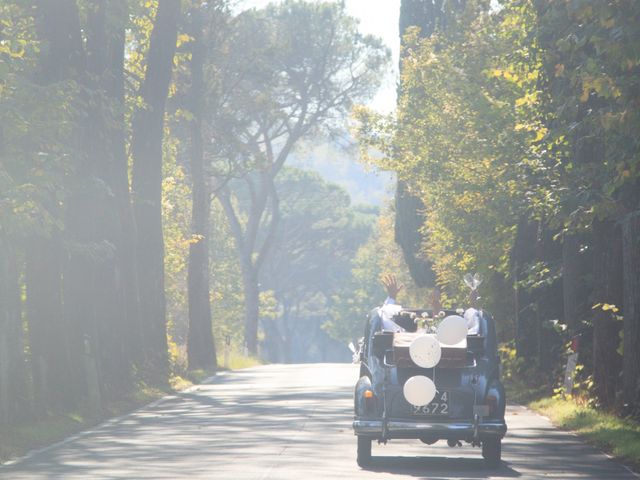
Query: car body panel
[[474, 394]]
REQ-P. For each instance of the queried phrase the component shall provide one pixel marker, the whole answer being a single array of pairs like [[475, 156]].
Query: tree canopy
[[509, 130]]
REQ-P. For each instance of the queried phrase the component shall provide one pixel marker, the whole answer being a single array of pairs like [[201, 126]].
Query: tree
[[465, 153], [298, 67], [108, 222], [361, 290], [592, 69], [318, 233], [529, 165], [146, 150], [631, 302], [33, 120], [70, 303], [427, 17], [200, 344]]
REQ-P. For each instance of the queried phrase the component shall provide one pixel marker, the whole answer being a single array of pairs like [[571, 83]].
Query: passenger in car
[[391, 285], [390, 308]]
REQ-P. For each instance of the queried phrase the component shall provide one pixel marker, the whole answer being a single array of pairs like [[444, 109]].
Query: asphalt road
[[293, 422]]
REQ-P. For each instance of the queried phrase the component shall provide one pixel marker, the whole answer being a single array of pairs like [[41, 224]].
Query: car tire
[[364, 451], [492, 452]]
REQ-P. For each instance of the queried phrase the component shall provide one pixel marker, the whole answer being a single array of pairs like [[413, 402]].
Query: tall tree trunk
[[252, 256], [252, 304], [117, 177], [287, 331], [409, 209], [146, 149], [523, 254], [14, 400], [201, 351], [607, 277], [409, 220], [250, 273], [48, 329], [116, 299], [409, 217], [63, 59], [81, 306], [631, 352]]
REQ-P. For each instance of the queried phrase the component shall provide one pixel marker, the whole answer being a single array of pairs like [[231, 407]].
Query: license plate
[[439, 406]]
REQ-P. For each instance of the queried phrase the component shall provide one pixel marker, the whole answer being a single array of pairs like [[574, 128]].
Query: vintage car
[[418, 384]]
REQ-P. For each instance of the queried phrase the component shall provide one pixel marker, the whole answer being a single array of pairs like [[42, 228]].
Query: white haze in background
[[379, 18], [340, 166]]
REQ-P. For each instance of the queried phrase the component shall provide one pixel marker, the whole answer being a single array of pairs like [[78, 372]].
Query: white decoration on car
[[425, 351], [419, 390], [452, 330], [472, 316]]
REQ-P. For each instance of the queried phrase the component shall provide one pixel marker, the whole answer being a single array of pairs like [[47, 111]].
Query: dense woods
[[152, 217], [516, 136], [147, 215]]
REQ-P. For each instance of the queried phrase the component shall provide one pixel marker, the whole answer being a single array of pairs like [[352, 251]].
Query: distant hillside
[[340, 166]]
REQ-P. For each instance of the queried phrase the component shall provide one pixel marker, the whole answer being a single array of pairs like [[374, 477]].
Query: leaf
[[182, 39], [540, 134], [585, 93]]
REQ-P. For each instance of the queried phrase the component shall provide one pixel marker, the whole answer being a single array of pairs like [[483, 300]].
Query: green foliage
[[281, 73], [460, 138], [591, 56], [17, 440], [521, 113], [34, 130], [227, 298], [318, 232], [523, 381], [362, 291], [582, 392], [176, 211], [238, 360]]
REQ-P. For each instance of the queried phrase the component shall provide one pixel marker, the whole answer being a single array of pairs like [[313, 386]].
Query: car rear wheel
[[364, 451], [492, 451]]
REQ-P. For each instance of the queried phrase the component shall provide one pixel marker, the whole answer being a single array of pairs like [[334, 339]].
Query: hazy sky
[[377, 17], [380, 18]]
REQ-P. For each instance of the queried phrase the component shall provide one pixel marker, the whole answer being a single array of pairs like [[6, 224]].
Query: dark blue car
[[466, 402]]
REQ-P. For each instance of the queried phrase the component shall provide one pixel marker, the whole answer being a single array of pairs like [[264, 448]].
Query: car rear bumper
[[418, 429]]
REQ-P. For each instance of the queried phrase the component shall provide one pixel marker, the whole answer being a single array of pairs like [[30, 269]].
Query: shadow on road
[[433, 468], [288, 422]]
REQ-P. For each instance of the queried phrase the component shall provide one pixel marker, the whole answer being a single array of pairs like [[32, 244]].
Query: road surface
[[294, 422]]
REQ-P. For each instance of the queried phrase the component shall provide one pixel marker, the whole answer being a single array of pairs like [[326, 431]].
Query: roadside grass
[[238, 361], [617, 436], [16, 440]]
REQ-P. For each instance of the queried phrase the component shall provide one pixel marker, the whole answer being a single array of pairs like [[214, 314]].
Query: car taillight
[[369, 402], [492, 401]]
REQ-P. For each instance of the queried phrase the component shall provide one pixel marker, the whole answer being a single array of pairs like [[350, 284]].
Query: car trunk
[[458, 377]]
